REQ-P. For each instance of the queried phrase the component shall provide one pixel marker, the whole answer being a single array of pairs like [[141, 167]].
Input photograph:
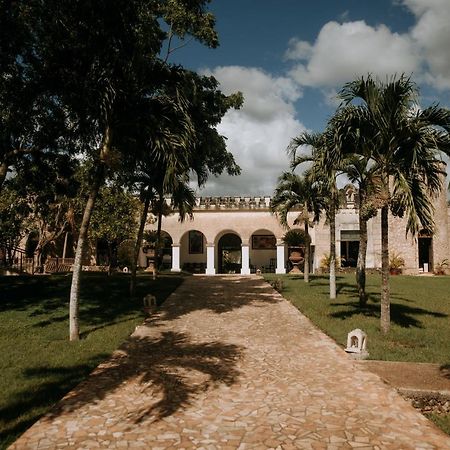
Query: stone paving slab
[[227, 363]]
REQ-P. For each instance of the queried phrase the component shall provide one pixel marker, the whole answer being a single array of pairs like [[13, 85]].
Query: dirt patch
[[426, 386], [412, 376]]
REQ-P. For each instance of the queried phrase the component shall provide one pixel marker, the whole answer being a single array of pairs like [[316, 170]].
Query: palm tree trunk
[[361, 264], [99, 177], [307, 252], [158, 233], [138, 244], [362, 251], [385, 294], [65, 246], [332, 249]]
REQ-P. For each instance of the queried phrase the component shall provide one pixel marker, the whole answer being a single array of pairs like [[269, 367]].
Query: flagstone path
[[227, 363]]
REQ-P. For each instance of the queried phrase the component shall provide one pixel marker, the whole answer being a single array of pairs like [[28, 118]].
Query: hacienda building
[[241, 235]]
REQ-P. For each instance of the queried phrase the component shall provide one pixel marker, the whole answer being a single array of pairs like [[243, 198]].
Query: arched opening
[[166, 251], [229, 250], [425, 244], [193, 252], [263, 251]]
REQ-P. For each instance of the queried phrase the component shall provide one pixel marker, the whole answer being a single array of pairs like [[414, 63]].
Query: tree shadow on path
[[170, 371], [218, 295]]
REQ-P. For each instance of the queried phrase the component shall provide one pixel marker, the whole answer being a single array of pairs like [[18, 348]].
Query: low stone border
[[428, 402]]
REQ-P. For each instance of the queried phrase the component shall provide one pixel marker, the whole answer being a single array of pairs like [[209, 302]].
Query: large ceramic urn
[[296, 257]]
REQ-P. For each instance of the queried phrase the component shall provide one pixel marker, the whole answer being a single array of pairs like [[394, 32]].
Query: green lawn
[[38, 364], [420, 314]]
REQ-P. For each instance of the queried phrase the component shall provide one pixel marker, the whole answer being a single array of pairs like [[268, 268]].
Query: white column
[[280, 258], [175, 258], [210, 269], [245, 269]]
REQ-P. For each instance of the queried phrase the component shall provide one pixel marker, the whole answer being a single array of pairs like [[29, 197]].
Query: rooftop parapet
[[230, 203]]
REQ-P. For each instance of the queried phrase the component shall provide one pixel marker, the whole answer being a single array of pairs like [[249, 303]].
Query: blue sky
[[290, 57]]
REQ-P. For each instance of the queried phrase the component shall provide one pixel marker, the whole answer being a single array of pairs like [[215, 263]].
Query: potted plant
[[150, 238], [441, 267], [325, 263], [296, 240], [396, 263]]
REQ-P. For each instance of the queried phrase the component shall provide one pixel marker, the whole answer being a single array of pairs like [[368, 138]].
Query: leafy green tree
[[114, 220], [101, 60], [45, 182], [405, 143], [14, 223], [31, 117]]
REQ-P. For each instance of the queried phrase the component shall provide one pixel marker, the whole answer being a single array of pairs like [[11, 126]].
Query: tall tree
[[14, 223], [191, 145], [323, 177], [46, 182], [405, 146], [359, 172], [114, 220], [100, 59]]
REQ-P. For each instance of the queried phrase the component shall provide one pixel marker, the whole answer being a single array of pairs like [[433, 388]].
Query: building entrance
[[229, 253]]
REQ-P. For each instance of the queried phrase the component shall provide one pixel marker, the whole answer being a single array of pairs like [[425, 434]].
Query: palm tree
[[403, 143], [294, 192], [155, 183], [359, 172], [323, 177]]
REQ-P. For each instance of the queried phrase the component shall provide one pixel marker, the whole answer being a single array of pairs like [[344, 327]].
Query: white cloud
[[344, 51], [431, 34], [259, 133]]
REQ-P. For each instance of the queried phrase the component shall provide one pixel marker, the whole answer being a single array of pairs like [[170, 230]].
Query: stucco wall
[[214, 223]]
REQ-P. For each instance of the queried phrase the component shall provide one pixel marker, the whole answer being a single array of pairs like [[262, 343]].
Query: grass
[[420, 317], [420, 314], [38, 364]]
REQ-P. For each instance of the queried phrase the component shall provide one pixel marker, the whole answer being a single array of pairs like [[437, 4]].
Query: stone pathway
[[228, 364]]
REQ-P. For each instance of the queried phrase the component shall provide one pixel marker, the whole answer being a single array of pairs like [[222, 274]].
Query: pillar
[[280, 258], [210, 269], [245, 258], [176, 258]]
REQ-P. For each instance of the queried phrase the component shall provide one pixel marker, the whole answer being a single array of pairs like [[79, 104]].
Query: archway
[[425, 244], [229, 250], [263, 251], [166, 250], [193, 251]]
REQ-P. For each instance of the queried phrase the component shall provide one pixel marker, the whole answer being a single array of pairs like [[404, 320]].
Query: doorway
[[229, 253], [425, 243]]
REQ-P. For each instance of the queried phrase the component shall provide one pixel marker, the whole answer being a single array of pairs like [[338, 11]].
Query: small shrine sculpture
[[356, 344]]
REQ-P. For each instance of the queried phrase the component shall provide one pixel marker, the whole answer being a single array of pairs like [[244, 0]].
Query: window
[[264, 242], [195, 242], [349, 247]]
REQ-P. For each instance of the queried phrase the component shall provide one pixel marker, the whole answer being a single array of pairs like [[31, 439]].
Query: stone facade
[[240, 234]]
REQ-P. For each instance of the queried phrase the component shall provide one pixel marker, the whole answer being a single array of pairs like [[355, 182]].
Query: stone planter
[[296, 257]]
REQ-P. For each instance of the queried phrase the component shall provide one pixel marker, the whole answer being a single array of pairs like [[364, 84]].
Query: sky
[[289, 58]]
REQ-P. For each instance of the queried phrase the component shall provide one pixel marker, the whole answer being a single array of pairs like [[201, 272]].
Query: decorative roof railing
[[230, 203], [202, 203]]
